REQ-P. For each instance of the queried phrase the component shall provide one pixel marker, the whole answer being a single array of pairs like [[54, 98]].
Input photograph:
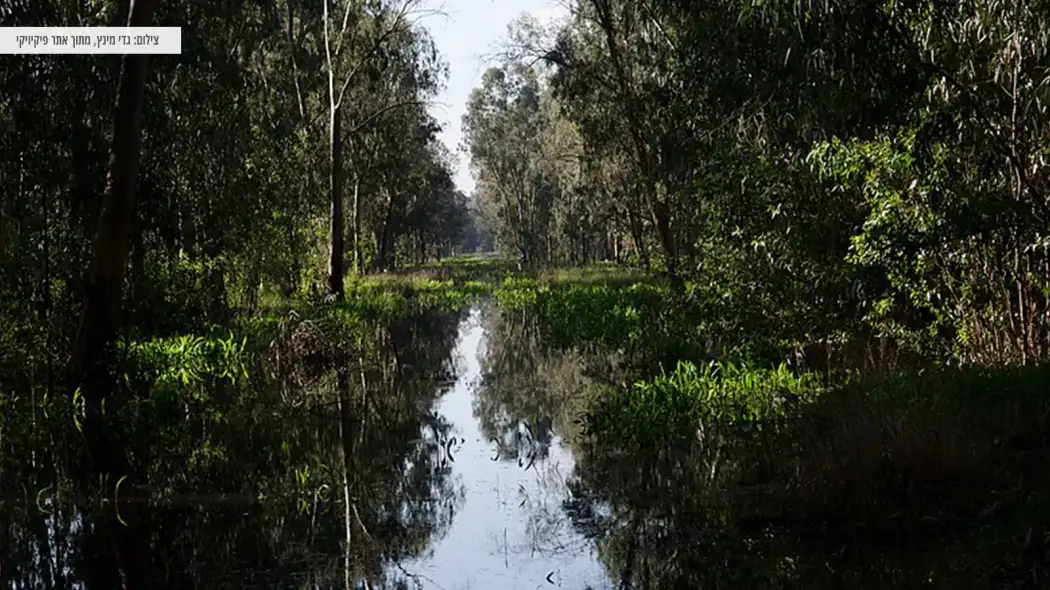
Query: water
[[457, 471], [512, 531], [458, 465]]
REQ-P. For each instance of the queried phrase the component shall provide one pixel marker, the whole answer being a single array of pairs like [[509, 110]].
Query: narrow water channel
[[466, 470], [459, 479], [511, 531]]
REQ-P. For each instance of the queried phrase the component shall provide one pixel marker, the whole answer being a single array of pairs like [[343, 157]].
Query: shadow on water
[[442, 451], [246, 483], [266, 483]]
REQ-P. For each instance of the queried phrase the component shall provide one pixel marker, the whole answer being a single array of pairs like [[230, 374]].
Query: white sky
[[472, 31]]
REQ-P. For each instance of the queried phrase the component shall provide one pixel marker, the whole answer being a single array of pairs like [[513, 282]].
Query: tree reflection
[[656, 523], [527, 394], [661, 521], [659, 518], [245, 489]]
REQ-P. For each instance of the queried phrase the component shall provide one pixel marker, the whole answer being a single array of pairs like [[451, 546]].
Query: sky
[[471, 31]]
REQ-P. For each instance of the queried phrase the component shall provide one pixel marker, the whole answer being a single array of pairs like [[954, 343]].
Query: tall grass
[[692, 401]]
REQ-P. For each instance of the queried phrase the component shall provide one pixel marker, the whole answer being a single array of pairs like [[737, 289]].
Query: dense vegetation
[[778, 269], [848, 202], [233, 201], [846, 171]]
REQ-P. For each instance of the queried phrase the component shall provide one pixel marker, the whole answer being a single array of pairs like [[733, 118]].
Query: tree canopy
[[871, 167]]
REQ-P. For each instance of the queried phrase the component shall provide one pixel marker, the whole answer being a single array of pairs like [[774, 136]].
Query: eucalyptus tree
[[503, 131], [436, 217], [822, 158], [48, 220], [405, 175], [609, 55], [366, 33], [392, 132]]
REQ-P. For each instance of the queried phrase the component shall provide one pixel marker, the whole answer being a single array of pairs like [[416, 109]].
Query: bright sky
[[472, 32]]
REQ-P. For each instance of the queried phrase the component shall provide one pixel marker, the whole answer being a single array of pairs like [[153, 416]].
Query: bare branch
[[328, 57], [663, 32], [382, 111], [292, 46], [342, 31], [401, 22]]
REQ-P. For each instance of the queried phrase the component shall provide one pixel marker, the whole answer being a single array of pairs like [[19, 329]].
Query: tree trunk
[[661, 214], [216, 284], [638, 239], [46, 304], [658, 207], [254, 284], [100, 315], [335, 255], [295, 271], [346, 438], [384, 261], [99, 320], [358, 265], [524, 236]]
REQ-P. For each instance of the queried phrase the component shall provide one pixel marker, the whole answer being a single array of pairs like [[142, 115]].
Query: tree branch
[[382, 38], [342, 30], [328, 58], [295, 64], [379, 113]]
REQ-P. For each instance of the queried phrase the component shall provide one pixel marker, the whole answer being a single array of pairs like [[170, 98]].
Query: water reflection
[[245, 483], [367, 468], [526, 393], [511, 531], [439, 452]]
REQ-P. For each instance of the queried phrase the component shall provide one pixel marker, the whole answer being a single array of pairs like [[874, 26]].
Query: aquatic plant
[[688, 404]]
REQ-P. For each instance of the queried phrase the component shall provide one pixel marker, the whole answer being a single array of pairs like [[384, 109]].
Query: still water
[[440, 451], [511, 531], [455, 460]]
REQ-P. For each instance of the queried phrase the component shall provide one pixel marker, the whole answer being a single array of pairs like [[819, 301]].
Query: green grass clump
[[608, 274], [463, 269], [670, 409], [188, 358], [518, 283], [601, 315], [646, 322], [449, 286], [513, 298], [939, 478]]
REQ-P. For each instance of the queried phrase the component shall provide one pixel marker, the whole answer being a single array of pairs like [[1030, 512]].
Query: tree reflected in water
[[527, 394], [662, 518], [245, 481], [334, 469]]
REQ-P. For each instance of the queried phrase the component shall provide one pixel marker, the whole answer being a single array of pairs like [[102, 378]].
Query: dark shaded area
[[242, 481]]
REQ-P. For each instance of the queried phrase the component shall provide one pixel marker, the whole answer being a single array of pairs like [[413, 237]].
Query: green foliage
[[648, 323], [601, 315], [515, 299], [187, 359], [674, 409], [844, 187]]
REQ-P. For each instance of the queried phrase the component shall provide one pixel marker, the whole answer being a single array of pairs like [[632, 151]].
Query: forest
[[772, 276]]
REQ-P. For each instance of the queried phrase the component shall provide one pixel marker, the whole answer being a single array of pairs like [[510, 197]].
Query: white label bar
[[90, 40]]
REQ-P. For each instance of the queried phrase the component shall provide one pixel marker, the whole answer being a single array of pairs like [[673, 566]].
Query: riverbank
[[911, 476], [704, 455]]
